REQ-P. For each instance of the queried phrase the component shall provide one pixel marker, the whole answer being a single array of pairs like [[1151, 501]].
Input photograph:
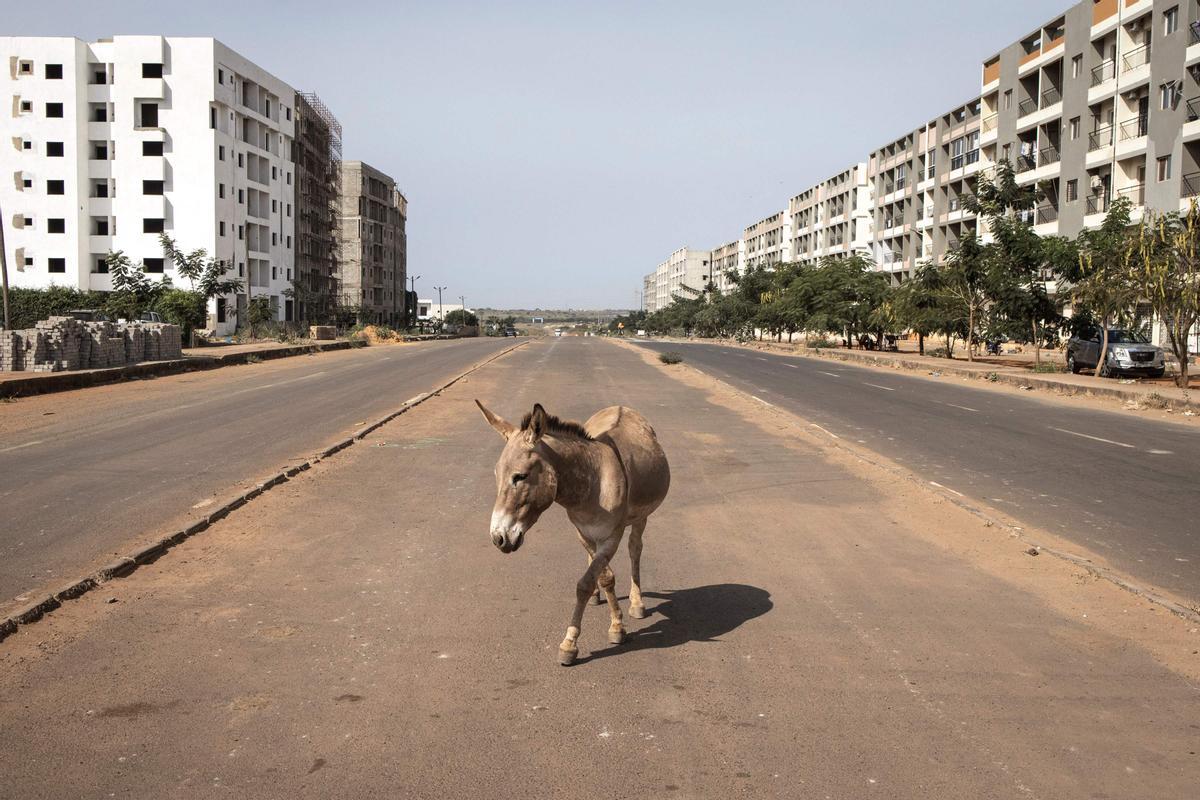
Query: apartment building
[[1100, 102], [318, 156], [372, 244], [833, 218], [727, 259], [684, 271], [768, 241], [919, 182], [111, 143]]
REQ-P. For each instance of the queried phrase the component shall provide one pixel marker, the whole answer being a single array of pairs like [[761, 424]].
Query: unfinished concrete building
[[318, 156], [372, 245]]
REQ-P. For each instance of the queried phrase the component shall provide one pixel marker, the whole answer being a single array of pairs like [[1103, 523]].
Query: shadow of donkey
[[700, 614]]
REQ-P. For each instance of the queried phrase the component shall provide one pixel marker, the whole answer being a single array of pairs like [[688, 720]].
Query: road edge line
[[149, 553]]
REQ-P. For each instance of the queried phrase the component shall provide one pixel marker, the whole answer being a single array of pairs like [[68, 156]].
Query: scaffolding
[[318, 158]]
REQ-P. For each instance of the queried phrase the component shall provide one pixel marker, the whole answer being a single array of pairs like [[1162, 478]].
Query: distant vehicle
[[150, 316], [558, 331], [1129, 353], [510, 331], [88, 315]]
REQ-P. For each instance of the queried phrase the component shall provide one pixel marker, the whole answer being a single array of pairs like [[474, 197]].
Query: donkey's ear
[[538, 422], [502, 426]]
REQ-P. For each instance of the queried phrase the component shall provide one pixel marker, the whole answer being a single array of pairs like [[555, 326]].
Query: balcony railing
[[1132, 129], [1026, 163], [929, 172], [957, 162], [1101, 137], [972, 156], [1027, 107], [1135, 58], [1190, 185], [1097, 204], [1048, 155], [1193, 109], [1135, 193], [1046, 213], [989, 123], [1051, 96], [1106, 71]]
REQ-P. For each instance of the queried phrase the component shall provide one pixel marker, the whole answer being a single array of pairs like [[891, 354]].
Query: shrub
[[821, 341], [29, 306], [1156, 400], [670, 357], [1047, 366], [183, 308]]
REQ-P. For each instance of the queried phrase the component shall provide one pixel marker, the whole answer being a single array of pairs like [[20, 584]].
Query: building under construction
[[318, 158]]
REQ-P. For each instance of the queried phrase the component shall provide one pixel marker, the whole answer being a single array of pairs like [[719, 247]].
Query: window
[[1008, 99], [274, 206], [1169, 94], [241, 196], [289, 242], [241, 232], [100, 151], [287, 113], [26, 144], [221, 228], [274, 238], [56, 187], [1171, 20], [100, 189], [54, 110], [100, 226], [1076, 65], [101, 265], [148, 115], [56, 265], [152, 148], [152, 70], [56, 225], [221, 76], [212, 118], [221, 152], [154, 264], [100, 113], [27, 183], [54, 149], [221, 191], [26, 106], [1074, 128], [99, 77], [289, 179], [154, 225], [1164, 168], [239, 159], [152, 187], [274, 173], [26, 67], [54, 72], [1072, 191]]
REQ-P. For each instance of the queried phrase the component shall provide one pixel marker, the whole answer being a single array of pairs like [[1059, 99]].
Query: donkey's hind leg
[[607, 582], [598, 596], [636, 609]]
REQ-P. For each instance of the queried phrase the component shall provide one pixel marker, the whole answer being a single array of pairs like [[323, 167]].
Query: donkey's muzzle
[[507, 544]]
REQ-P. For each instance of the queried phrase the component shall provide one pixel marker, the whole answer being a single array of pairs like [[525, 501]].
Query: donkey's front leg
[[608, 583], [584, 589]]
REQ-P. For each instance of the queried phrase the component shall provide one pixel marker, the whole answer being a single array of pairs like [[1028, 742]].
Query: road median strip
[[146, 554]]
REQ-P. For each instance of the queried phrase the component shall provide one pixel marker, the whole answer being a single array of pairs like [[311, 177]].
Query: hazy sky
[[554, 152]]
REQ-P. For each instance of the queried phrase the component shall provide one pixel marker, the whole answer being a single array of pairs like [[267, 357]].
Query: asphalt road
[[1125, 487], [84, 473], [814, 632]]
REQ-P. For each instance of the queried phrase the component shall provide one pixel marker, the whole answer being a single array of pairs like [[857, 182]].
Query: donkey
[[609, 474]]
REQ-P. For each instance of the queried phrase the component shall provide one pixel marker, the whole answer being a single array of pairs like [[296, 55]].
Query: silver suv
[[1129, 353]]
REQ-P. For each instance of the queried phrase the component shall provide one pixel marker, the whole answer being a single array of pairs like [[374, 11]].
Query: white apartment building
[[833, 218], [729, 258], [769, 241], [684, 270], [430, 310], [110, 143]]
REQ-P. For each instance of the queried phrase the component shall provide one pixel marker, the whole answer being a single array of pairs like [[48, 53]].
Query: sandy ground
[[818, 629]]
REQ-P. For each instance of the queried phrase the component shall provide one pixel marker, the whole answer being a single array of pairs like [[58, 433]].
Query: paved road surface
[[813, 633], [1128, 488], [83, 473]]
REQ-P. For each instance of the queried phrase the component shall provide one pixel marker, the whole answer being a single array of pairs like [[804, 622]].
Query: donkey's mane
[[556, 425]]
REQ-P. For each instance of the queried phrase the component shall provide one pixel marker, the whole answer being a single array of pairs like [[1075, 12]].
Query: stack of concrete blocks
[[64, 343]]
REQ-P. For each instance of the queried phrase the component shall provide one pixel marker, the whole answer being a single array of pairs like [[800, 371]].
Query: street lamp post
[[413, 288], [441, 313]]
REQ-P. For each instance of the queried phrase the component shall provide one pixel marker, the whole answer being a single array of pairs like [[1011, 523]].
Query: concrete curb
[[1014, 531], [150, 553], [47, 382]]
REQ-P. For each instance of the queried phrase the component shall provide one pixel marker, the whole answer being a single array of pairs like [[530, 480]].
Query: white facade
[[683, 269], [181, 135], [432, 311]]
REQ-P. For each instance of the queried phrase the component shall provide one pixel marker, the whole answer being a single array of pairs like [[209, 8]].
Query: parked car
[[558, 331], [510, 331], [1129, 353], [150, 316], [88, 315]]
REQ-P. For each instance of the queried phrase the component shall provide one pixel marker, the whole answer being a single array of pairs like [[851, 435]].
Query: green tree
[[962, 285], [1165, 267], [460, 317], [132, 290], [1103, 286]]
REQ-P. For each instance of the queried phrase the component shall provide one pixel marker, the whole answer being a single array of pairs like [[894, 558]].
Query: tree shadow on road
[[700, 614]]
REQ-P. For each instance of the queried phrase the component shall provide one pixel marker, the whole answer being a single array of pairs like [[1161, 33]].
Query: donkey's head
[[526, 483]]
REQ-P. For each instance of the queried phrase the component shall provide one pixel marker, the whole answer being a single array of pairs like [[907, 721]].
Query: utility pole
[[463, 300], [441, 314], [4, 272], [413, 288]]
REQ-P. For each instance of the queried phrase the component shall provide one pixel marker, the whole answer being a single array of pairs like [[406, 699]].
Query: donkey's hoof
[[616, 636], [567, 657], [597, 599], [637, 612]]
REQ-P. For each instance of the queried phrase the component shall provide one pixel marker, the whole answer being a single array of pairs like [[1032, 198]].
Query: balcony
[[1048, 155], [989, 123], [1097, 204], [1025, 163], [1189, 185], [1193, 109], [1106, 71], [1100, 138], [1051, 96], [1135, 58], [1045, 214], [1027, 107], [1133, 128], [1136, 193]]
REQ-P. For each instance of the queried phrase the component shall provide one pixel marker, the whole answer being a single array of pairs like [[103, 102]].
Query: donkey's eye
[[518, 477]]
